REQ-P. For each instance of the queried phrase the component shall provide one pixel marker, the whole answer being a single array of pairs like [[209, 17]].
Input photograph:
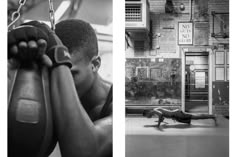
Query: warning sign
[[185, 33]]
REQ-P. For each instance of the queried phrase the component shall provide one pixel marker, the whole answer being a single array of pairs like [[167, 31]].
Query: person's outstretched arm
[[77, 134]]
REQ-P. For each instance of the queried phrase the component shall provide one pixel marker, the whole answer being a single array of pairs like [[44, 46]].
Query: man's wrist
[[59, 55]]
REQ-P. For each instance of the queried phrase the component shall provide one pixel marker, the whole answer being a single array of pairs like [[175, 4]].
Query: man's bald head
[[78, 36]]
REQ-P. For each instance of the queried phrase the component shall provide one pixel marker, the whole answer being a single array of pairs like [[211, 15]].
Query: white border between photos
[[119, 78], [232, 74], [3, 79]]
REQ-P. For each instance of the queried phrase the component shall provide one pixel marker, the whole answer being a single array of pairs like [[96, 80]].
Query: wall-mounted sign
[[200, 79], [185, 33]]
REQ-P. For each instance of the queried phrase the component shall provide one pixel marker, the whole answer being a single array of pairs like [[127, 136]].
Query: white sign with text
[[185, 33]]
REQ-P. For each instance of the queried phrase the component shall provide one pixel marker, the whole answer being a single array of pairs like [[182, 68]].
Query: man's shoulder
[[107, 107], [103, 109], [94, 114]]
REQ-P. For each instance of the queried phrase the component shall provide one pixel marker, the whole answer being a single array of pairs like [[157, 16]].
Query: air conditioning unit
[[137, 15]]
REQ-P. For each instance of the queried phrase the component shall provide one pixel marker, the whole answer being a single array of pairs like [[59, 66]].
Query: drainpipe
[[191, 12]]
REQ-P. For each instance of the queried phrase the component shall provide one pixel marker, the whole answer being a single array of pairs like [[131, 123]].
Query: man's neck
[[96, 95]]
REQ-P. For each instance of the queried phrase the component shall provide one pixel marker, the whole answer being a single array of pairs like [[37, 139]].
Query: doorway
[[196, 82]]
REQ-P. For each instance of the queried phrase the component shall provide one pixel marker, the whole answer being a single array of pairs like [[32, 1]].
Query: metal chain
[[16, 14], [51, 14]]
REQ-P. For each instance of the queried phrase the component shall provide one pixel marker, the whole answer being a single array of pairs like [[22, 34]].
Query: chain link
[[22, 3], [16, 14], [51, 14]]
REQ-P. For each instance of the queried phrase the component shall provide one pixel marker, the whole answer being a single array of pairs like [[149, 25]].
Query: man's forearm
[[75, 130]]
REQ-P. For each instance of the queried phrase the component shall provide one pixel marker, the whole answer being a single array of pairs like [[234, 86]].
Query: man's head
[[78, 35], [80, 38]]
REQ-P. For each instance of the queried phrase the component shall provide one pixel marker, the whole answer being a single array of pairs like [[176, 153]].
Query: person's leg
[[198, 116], [182, 117], [202, 116]]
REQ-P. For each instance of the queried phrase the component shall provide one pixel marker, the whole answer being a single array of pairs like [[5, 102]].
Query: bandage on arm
[[77, 134]]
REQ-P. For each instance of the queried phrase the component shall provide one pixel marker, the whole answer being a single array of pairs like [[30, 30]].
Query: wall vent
[[133, 12], [137, 15]]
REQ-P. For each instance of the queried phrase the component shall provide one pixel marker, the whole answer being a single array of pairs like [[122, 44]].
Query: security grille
[[133, 12]]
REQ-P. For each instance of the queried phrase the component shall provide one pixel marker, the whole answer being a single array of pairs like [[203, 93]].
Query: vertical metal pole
[[213, 24], [190, 6], [210, 80], [183, 80]]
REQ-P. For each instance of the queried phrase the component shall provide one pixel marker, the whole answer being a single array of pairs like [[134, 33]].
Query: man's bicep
[[104, 125], [104, 131]]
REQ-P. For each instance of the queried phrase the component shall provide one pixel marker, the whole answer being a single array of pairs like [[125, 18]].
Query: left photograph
[[60, 78]]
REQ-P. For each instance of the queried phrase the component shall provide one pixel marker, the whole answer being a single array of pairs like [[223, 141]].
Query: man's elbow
[[104, 142], [104, 149]]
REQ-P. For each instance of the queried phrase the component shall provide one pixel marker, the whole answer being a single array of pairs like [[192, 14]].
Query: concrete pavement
[[201, 139]]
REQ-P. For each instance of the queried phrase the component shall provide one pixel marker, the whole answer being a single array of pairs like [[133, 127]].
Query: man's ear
[[96, 63]]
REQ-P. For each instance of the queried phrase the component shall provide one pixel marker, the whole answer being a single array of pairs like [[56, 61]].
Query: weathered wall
[[221, 24], [164, 44], [219, 6], [221, 93], [221, 98], [163, 84]]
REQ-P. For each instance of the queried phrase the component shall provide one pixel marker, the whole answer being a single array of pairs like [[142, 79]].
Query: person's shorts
[[182, 117]]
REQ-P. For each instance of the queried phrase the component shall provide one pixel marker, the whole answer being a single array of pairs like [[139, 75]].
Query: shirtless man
[[81, 99]]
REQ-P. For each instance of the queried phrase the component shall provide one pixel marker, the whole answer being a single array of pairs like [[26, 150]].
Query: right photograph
[[177, 78]]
